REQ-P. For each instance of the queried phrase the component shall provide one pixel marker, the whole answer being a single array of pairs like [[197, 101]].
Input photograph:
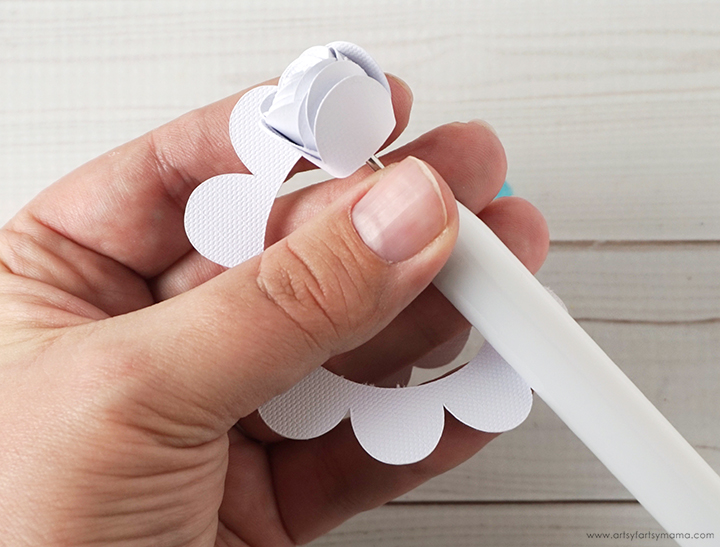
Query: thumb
[[250, 333]]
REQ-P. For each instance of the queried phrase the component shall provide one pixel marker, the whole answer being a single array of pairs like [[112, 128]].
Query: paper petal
[[487, 394], [358, 55], [306, 131], [259, 150], [353, 121], [216, 225], [309, 409], [398, 427], [285, 120], [285, 94], [226, 216], [309, 77], [299, 66], [327, 79]]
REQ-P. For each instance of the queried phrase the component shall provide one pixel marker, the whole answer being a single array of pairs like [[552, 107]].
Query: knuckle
[[19, 253], [11, 258], [321, 288]]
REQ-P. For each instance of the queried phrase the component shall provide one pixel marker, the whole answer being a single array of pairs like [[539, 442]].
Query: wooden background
[[610, 114]]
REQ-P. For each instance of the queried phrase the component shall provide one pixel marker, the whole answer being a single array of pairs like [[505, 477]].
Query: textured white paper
[[226, 216], [333, 106], [403, 425]]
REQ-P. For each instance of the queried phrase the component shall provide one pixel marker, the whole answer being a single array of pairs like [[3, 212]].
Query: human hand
[[127, 358]]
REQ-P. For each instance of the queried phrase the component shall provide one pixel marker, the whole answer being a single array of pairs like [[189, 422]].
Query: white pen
[[570, 372], [499, 296]]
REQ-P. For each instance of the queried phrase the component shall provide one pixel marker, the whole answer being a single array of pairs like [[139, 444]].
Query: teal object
[[504, 191]]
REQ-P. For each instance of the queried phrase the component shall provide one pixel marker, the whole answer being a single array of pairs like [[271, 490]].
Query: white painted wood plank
[[636, 281], [609, 109], [500, 526], [678, 369]]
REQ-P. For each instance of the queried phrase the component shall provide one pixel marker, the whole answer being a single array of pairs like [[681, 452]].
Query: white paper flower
[[333, 104], [333, 107]]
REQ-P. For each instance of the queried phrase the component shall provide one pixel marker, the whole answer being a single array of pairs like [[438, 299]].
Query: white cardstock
[[333, 107], [404, 424]]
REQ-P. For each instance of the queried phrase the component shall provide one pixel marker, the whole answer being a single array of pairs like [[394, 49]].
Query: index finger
[[128, 204]]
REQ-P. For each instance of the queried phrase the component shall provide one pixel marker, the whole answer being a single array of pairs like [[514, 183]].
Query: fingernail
[[485, 125], [403, 84], [402, 213]]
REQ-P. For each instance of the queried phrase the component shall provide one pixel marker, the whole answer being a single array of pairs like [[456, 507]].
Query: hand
[[127, 358]]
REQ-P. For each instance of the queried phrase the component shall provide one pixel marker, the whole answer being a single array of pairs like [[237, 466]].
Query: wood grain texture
[[502, 525], [609, 110], [638, 282]]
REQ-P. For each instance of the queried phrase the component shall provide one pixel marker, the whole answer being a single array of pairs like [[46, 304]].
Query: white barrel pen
[[570, 372]]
